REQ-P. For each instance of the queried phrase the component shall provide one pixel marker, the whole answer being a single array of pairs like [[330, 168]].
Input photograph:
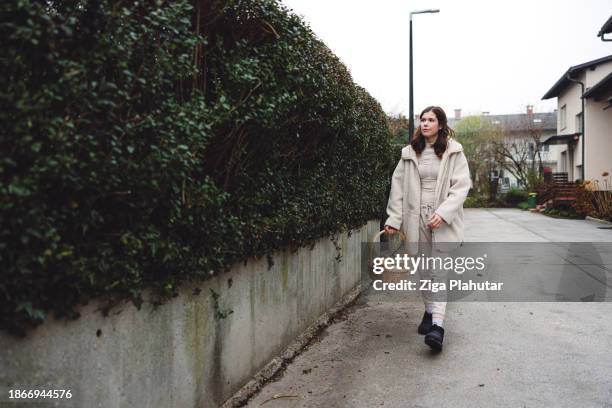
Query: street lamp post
[[411, 107]]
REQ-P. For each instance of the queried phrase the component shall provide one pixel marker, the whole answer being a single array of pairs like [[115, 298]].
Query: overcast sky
[[496, 56]]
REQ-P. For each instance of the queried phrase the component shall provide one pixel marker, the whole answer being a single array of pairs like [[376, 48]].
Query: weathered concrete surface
[[495, 354], [180, 355]]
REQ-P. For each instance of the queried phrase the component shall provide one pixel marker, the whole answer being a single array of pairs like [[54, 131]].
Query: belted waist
[[428, 194], [428, 184]]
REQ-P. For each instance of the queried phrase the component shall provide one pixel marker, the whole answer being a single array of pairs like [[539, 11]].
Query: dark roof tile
[[563, 82], [606, 28]]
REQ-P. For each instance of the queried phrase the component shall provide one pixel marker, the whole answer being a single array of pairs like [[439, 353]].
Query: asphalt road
[[496, 354]]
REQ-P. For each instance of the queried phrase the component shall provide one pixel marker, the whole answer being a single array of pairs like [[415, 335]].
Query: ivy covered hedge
[[149, 143]]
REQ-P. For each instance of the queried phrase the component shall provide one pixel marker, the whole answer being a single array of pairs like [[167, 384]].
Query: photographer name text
[[430, 286]]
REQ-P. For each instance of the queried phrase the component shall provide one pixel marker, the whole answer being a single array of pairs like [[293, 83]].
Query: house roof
[[600, 88], [562, 139], [519, 122], [606, 28], [563, 82]]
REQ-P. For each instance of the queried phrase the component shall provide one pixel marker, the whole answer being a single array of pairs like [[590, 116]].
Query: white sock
[[429, 308], [437, 321]]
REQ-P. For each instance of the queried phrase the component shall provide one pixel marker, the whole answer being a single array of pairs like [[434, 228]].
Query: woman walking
[[428, 188]]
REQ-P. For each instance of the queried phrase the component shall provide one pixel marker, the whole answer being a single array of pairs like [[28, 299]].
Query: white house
[[584, 98]]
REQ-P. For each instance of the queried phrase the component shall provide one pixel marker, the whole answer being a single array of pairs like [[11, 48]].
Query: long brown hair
[[444, 132]]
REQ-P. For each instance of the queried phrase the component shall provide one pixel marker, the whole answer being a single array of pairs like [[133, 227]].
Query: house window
[[579, 123], [544, 148], [562, 117]]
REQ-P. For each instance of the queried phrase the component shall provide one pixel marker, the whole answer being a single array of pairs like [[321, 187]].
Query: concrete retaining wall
[[180, 355]]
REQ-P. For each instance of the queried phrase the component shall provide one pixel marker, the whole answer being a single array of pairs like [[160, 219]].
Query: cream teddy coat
[[452, 187]]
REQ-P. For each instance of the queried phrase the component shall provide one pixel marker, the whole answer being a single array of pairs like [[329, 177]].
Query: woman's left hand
[[435, 221]]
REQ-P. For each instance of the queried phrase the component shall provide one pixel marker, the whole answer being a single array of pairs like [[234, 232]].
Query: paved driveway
[[495, 354]]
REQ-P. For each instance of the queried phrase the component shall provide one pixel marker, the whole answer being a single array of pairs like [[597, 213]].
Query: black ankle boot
[[435, 337], [425, 326]]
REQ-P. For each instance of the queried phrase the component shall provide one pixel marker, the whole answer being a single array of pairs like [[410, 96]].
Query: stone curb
[[588, 217]]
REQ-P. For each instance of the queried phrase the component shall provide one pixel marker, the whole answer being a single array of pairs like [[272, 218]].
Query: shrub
[[476, 201], [585, 202], [500, 202], [523, 205], [143, 147], [562, 213], [515, 196], [602, 195]]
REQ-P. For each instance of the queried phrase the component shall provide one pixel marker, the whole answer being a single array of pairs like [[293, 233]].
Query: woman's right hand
[[390, 230]]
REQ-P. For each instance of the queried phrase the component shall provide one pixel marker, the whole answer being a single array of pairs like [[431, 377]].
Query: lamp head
[[424, 11]]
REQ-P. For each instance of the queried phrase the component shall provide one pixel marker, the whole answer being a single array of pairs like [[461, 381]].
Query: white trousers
[[434, 301]]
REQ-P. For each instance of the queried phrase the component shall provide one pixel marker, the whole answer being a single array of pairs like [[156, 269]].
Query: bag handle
[[376, 237]]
